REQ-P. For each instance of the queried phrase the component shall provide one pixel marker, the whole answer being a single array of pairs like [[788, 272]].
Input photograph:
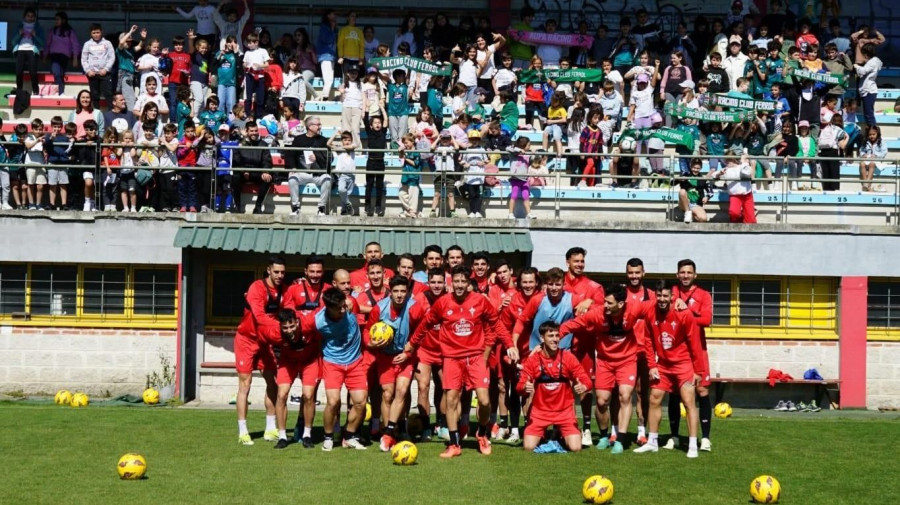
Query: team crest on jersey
[[450, 312], [463, 328], [666, 340], [472, 311], [674, 325]]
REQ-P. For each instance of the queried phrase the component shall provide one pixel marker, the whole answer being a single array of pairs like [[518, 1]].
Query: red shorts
[[672, 378], [538, 421], [623, 373], [429, 357], [353, 375], [470, 372], [292, 364], [586, 358], [704, 372], [388, 372], [250, 355]]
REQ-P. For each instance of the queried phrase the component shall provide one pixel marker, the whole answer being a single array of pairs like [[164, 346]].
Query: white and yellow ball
[[381, 333], [765, 489], [63, 397], [597, 489], [723, 410], [404, 453], [131, 466], [151, 396], [80, 400]]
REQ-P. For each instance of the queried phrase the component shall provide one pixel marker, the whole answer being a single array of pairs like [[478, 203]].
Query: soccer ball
[[626, 145], [597, 489], [79, 400], [62, 397], [723, 410], [131, 466], [765, 489], [368, 412], [404, 453], [683, 411], [381, 333], [151, 396]]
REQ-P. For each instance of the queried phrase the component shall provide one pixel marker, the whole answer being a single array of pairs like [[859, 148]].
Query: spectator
[[424, 36], [410, 178], [785, 148], [473, 159], [308, 163], [86, 156], [97, 59], [859, 39], [445, 149], [351, 95], [58, 151], [293, 91], [485, 56], [603, 44], [832, 139], [673, 77], [345, 167], [255, 62], [370, 43], [840, 41], [27, 43], [126, 51], [127, 183], [149, 115], [179, 70], [550, 54], [350, 43], [226, 74], [255, 159], [377, 141], [646, 32], [808, 149], [694, 192], [148, 63], [201, 62], [741, 208], [445, 36], [151, 95], [84, 110], [307, 61], [406, 33], [230, 23], [873, 150], [867, 72], [326, 50], [418, 81], [205, 16], [62, 47], [682, 42], [118, 116], [187, 180], [518, 177], [274, 84], [735, 63]]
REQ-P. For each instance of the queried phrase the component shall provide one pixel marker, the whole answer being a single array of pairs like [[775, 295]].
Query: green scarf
[[830, 79], [668, 134], [706, 116], [410, 63], [570, 75], [741, 103]]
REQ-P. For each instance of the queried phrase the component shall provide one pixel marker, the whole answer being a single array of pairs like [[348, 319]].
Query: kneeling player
[[547, 378], [674, 355]]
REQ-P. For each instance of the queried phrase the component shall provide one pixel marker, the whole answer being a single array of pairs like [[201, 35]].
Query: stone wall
[[883, 375]]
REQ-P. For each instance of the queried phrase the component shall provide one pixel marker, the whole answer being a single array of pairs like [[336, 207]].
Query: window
[[12, 288], [54, 290], [811, 303], [720, 290], [884, 305], [104, 291], [227, 289], [154, 291], [759, 303]]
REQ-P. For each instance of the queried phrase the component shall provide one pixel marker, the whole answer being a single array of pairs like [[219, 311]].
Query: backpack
[[491, 180], [22, 101]]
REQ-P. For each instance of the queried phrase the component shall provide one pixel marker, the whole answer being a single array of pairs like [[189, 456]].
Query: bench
[[219, 367], [821, 387]]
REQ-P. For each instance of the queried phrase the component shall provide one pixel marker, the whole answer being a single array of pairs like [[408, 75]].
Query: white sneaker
[[688, 216], [705, 445], [672, 443], [692, 453], [87, 207], [108, 208], [586, 440], [478, 214], [647, 448], [133, 209], [6, 206], [354, 443], [513, 438], [511, 216], [328, 445]]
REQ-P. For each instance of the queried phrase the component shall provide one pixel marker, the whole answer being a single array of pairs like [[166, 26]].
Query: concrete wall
[[883, 375], [44, 360]]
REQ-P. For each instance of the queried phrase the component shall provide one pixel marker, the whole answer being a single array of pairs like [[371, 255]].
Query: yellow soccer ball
[[765, 489], [381, 333], [722, 410], [80, 400], [62, 397], [683, 411], [404, 453], [132, 466], [368, 412], [151, 396], [597, 489]]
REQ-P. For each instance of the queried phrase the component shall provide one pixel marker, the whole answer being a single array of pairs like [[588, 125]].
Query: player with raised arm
[[263, 300], [674, 355], [688, 296], [469, 326], [549, 377]]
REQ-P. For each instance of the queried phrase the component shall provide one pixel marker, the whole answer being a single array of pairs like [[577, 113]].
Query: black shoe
[[257, 211], [308, 443], [282, 443], [380, 212]]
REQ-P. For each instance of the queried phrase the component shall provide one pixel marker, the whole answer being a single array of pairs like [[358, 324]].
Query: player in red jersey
[[406, 265], [481, 273], [501, 289], [367, 299], [401, 312], [616, 356], [341, 280], [548, 377], [428, 357], [578, 283], [529, 286], [469, 328], [690, 297], [263, 300], [455, 257], [432, 257], [638, 293], [307, 292], [359, 278], [674, 355]]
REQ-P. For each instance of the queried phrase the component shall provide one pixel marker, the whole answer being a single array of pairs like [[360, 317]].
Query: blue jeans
[[58, 65], [256, 92], [346, 183], [173, 100], [187, 189], [868, 102], [227, 98]]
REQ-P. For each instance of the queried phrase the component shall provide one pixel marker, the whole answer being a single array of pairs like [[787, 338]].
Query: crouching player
[[547, 377], [674, 355]]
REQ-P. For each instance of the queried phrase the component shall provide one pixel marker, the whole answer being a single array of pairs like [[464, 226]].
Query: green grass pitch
[[55, 454]]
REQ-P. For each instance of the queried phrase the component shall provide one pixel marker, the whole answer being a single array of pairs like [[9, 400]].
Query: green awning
[[348, 242]]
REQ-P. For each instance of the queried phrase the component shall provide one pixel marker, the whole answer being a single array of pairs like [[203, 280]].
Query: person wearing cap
[[807, 148], [473, 160], [675, 75], [689, 101], [735, 63]]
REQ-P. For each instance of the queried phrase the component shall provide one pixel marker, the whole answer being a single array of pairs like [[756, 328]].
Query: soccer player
[[638, 293], [674, 355], [366, 300], [548, 377], [342, 364], [690, 297], [264, 298], [403, 315], [501, 289], [359, 278], [307, 292], [406, 264], [375, 288], [428, 357], [432, 257], [469, 327], [455, 257], [295, 357], [481, 272], [616, 356], [529, 286]]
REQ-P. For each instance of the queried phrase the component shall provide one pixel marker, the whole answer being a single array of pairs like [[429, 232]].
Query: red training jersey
[[181, 68], [468, 327], [307, 297], [640, 295], [699, 303], [674, 340], [615, 334], [262, 303], [584, 286], [553, 378], [359, 278], [430, 341]]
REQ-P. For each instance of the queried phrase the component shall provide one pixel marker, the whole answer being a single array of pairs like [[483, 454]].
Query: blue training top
[[559, 313], [341, 341]]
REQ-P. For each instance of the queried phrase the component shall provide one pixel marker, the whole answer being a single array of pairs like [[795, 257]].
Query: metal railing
[[665, 179]]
